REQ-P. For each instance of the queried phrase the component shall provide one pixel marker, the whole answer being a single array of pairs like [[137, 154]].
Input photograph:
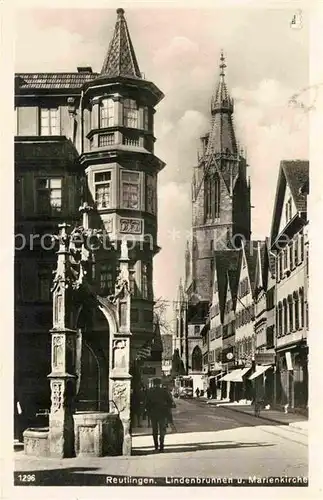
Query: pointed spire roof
[[222, 136], [121, 58]]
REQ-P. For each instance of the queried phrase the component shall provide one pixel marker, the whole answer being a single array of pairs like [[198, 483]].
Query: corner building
[[84, 137]]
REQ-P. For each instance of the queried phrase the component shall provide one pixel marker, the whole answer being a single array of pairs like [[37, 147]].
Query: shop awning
[[260, 369], [235, 375]]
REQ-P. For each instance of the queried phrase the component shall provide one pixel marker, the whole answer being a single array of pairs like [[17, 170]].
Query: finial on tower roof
[[222, 64], [120, 12]]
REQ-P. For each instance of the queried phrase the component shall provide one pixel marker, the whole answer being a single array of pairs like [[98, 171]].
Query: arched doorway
[[93, 392], [197, 359]]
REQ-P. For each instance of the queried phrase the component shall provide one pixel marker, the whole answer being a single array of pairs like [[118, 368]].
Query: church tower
[[221, 210]]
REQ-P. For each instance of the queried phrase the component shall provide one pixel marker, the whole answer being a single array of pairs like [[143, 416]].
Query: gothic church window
[[212, 197], [197, 359]]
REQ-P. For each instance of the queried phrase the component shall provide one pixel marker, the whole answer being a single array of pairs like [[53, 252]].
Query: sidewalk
[[293, 420]]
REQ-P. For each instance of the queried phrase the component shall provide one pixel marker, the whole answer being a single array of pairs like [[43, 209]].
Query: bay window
[[49, 195], [49, 121], [130, 189], [106, 113], [102, 184], [130, 113]]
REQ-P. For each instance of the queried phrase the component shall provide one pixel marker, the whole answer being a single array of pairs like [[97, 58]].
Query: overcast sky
[[178, 49]]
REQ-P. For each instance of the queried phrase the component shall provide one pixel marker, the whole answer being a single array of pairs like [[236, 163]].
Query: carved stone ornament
[[119, 355], [119, 395], [57, 396], [108, 225], [131, 226]]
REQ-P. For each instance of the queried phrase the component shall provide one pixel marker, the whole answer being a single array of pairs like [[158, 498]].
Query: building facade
[[289, 243], [84, 137]]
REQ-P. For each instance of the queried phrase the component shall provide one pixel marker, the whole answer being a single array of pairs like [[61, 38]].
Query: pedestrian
[[208, 392], [158, 406], [197, 392], [258, 401]]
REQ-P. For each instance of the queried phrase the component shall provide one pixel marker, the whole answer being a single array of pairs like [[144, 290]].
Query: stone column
[[62, 376], [120, 376]]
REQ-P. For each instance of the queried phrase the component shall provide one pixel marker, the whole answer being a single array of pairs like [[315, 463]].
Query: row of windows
[[291, 313], [105, 276], [246, 315], [214, 356], [130, 114], [48, 193], [291, 256], [130, 191], [245, 347], [215, 333], [50, 119]]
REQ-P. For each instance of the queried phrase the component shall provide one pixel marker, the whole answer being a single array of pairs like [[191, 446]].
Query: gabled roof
[[226, 260], [251, 254], [295, 174], [38, 81], [261, 264], [121, 58]]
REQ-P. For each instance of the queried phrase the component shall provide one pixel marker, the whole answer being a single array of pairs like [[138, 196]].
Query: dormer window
[[107, 113], [130, 113]]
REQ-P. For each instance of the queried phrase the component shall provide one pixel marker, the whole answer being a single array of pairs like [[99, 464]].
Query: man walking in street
[[158, 406]]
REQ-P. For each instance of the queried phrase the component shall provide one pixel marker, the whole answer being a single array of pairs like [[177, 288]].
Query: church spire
[[121, 58], [222, 136], [221, 100]]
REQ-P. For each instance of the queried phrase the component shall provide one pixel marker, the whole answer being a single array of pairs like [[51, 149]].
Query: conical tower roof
[[121, 58]]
